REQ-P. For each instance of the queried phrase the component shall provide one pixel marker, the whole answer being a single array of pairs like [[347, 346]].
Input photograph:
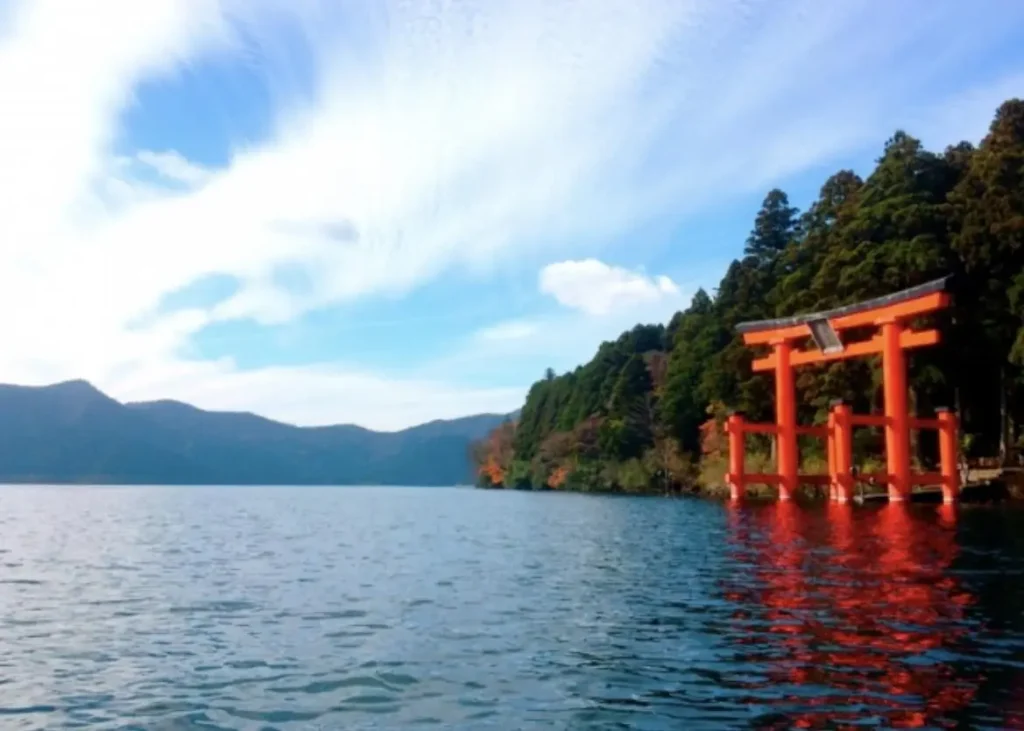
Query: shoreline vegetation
[[646, 414]]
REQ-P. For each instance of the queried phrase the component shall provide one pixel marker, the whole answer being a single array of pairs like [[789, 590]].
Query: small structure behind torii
[[890, 315]]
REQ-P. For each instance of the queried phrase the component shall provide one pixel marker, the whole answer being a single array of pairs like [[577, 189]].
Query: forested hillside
[[648, 407]]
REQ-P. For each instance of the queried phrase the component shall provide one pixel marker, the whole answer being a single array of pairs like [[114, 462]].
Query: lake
[[358, 608]]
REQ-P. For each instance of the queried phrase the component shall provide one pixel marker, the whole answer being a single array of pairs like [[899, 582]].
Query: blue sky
[[387, 212]]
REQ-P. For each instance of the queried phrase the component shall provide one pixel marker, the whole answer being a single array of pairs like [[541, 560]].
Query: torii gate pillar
[[785, 419], [897, 416]]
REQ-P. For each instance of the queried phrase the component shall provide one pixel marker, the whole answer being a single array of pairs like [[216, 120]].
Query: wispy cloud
[[318, 395], [173, 166], [511, 330], [440, 141]]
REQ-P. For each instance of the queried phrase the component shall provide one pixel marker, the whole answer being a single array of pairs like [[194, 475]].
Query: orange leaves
[[713, 441], [558, 477], [492, 471], [494, 455]]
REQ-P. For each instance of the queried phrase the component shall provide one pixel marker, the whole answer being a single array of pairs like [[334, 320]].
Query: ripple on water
[[243, 609], [338, 614], [221, 606]]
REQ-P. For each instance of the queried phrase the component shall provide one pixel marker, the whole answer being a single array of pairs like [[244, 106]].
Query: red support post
[[897, 423], [830, 450], [737, 444], [785, 419], [948, 456], [842, 416]]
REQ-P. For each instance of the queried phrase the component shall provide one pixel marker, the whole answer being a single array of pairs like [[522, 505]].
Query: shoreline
[[990, 492]]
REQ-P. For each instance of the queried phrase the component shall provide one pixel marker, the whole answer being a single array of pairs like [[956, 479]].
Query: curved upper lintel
[[931, 294]]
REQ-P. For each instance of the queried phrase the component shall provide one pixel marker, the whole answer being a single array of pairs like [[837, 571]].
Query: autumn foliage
[[494, 455], [714, 443], [558, 477]]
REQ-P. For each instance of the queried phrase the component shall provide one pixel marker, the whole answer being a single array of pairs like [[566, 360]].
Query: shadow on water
[[888, 616]]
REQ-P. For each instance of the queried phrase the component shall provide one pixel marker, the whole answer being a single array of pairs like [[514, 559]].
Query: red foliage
[[495, 454], [713, 440], [558, 477], [493, 471]]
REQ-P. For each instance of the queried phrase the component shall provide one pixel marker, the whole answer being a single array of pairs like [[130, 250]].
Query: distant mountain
[[73, 433]]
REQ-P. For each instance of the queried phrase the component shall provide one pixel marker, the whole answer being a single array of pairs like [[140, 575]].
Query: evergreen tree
[[988, 226], [774, 227]]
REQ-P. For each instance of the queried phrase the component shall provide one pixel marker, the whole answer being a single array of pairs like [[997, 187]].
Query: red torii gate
[[890, 315]]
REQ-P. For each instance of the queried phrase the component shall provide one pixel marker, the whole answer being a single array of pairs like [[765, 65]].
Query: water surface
[[305, 608]]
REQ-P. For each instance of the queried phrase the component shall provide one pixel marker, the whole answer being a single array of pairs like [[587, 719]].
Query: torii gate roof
[[876, 303]]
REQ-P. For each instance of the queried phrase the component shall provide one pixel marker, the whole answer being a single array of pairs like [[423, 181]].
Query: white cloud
[[597, 288], [172, 165], [440, 141]]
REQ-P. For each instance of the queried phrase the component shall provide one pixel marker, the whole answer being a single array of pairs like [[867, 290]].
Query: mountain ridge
[[72, 432]]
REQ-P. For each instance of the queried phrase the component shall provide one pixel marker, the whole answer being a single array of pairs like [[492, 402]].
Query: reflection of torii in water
[[835, 633]]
